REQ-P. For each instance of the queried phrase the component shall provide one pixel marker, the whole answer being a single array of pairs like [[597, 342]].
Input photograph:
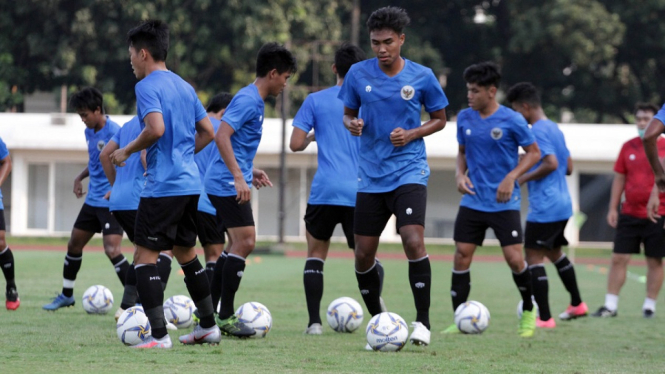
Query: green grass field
[[69, 340]]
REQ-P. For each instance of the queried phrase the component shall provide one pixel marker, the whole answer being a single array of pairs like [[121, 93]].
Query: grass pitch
[[69, 340]]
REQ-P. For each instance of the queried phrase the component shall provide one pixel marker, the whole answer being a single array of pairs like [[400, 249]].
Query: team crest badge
[[407, 92], [100, 145], [496, 133]]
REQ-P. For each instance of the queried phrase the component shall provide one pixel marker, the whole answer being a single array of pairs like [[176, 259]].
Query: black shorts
[[127, 220], [545, 235], [373, 210], [97, 219], [471, 225], [209, 229], [2, 220], [164, 222], [230, 213], [632, 231], [320, 221]]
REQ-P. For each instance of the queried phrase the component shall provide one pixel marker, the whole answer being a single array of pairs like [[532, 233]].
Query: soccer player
[[333, 193], [489, 136], [392, 164], [174, 126], [230, 173], [550, 206], [634, 178], [94, 215], [12, 300]]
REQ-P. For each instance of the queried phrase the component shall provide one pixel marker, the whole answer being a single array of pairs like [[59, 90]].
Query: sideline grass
[[35, 341]]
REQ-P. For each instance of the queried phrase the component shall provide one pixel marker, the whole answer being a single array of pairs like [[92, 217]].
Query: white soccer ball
[[97, 300], [472, 317], [179, 311], [344, 314], [133, 326], [256, 316], [535, 308], [387, 332]]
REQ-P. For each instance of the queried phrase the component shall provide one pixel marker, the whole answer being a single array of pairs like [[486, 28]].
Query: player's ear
[[492, 91], [334, 69], [401, 39]]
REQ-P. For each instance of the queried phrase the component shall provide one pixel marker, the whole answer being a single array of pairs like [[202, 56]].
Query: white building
[[49, 150]]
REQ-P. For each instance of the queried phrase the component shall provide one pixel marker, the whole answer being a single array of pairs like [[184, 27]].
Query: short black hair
[[484, 74], [275, 56], [219, 102], [88, 98], [523, 92], [152, 35], [647, 107], [347, 55], [389, 17]]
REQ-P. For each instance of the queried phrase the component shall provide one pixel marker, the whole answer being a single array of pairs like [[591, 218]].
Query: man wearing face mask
[[634, 178]]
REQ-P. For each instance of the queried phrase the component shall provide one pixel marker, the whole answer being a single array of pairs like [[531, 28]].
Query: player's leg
[[164, 262], [127, 219], [112, 239], [211, 236], [654, 250], [566, 270], [469, 232], [12, 300]]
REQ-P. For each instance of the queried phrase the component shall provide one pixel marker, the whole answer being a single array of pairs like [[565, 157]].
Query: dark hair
[[389, 17], [219, 102], [646, 107], [152, 35], [347, 55], [484, 74], [274, 56], [88, 98], [523, 92]]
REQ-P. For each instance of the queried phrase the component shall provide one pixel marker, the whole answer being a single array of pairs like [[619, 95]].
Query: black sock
[[210, 270], [379, 268], [69, 271], [541, 290], [369, 283], [130, 294], [313, 281], [567, 274], [121, 266], [216, 283], [420, 278], [164, 268], [234, 267], [199, 289], [460, 287], [150, 291], [7, 265], [523, 282]]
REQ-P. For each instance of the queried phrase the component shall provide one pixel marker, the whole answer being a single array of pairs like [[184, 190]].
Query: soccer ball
[[179, 310], [344, 314], [133, 326], [387, 332], [472, 317], [97, 300], [256, 316], [535, 308]]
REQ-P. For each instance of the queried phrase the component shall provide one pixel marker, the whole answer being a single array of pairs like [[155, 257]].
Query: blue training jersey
[[202, 159], [99, 185], [245, 115], [661, 115], [492, 146], [4, 152], [549, 199], [336, 178], [388, 103], [171, 167], [129, 179]]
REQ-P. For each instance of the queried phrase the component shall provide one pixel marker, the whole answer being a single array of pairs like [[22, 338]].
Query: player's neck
[[340, 81], [538, 115], [155, 66], [101, 123], [490, 109], [395, 68], [261, 84]]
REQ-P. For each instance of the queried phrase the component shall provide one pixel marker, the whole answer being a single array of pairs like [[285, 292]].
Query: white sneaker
[[420, 334], [151, 342], [383, 305], [368, 347], [118, 313], [170, 326], [211, 335], [314, 329]]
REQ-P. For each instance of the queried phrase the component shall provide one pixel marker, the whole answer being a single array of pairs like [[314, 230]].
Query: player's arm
[[618, 185], [223, 141], [260, 179], [569, 166], [400, 137], [507, 185], [78, 186], [352, 122], [650, 142], [549, 164], [144, 159], [300, 139], [5, 169], [464, 185], [154, 129], [205, 133], [105, 160]]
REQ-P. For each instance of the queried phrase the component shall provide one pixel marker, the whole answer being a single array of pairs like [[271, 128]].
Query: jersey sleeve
[[240, 111], [434, 98], [305, 119], [147, 101], [116, 136], [544, 143], [620, 165], [661, 115], [4, 152], [347, 93], [199, 110], [523, 133], [460, 129]]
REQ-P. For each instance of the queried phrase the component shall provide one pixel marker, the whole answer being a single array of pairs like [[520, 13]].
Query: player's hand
[[260, 179], [78, 188], [464, 185], [505, 190], [119, 156], [244, 194], [356, 126], [400, 137], [660, 182], [613, 218], [652, 208], [107, 196]]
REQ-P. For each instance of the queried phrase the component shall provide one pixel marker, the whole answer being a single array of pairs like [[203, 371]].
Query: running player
[[12, 300]]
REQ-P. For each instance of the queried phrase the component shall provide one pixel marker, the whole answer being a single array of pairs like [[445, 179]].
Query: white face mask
[[641, 132]]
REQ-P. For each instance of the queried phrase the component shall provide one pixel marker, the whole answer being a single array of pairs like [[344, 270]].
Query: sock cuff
[[224, 254], [526, 268], [315, 259], [420, 259], [563, 256], [4, 250], [460, 272], [73, 258], [211, 263], [368, 270], [194, 261], [138, 266], [165, 257], [118, 260], [537, 266], [231, 255]]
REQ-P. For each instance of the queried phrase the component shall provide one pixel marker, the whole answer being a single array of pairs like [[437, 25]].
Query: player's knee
[[246, 244], [365, 258], [620, 260], [74, 247]]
